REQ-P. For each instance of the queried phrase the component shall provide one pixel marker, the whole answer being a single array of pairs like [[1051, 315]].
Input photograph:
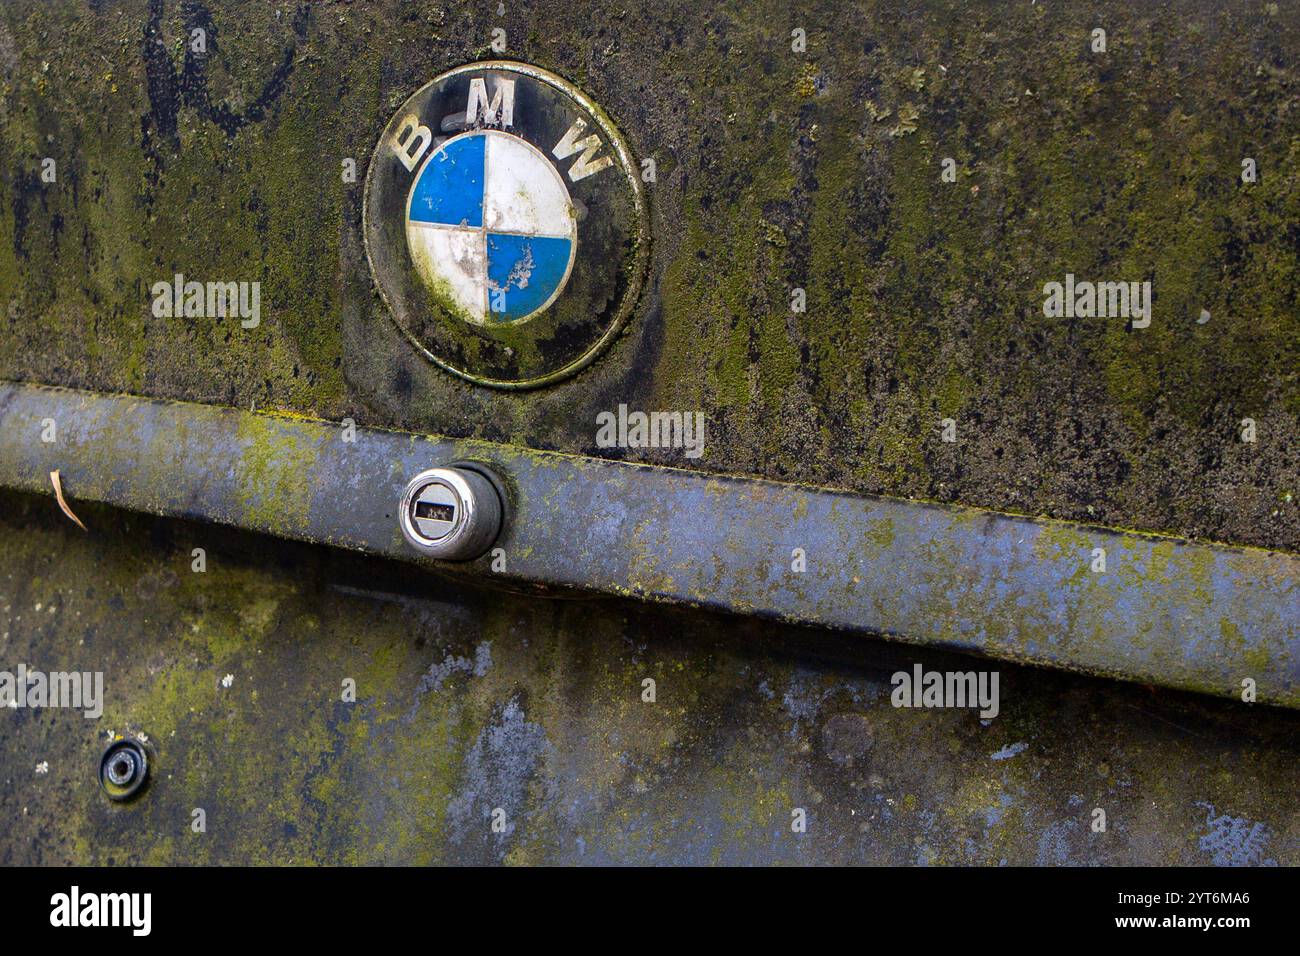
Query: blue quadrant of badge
[[528, 268], [450, 188]]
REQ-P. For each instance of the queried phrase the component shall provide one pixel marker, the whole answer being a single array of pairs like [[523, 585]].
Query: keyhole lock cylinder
[[452, 513]]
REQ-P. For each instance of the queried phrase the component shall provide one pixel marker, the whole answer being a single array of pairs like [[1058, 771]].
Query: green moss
[[272, 474], [777, 171]]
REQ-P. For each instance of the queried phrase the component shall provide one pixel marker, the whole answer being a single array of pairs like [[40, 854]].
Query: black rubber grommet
[[123, 769]]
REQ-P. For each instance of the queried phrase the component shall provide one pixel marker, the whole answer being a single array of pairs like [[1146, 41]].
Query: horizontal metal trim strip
[[1165, 611]]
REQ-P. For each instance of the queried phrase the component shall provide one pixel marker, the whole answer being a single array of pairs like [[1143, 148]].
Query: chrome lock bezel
[[475, 522]]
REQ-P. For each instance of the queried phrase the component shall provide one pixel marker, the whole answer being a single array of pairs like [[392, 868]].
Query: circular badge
[[505, 224]]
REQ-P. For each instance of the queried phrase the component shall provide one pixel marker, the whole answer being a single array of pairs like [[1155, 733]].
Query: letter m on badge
[[501, 109]]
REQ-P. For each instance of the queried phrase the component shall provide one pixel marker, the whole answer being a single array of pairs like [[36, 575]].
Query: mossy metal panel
[[775, 170], [469, 700]]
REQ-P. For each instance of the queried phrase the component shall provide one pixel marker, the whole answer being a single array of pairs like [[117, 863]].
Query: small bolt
[[123, 769]]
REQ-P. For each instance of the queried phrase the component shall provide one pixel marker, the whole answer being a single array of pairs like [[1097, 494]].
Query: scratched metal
[[1165, 611]]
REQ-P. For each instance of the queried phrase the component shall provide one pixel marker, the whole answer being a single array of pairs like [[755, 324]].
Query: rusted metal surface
[[1161, 611]]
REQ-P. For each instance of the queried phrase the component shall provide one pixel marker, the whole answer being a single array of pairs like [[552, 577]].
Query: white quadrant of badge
[[491, 227]]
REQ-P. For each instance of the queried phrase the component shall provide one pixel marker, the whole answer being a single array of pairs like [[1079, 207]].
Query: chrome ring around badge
[[505, 224]]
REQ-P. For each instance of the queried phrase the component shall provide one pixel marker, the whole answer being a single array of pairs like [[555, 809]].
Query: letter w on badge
[[570, 144]]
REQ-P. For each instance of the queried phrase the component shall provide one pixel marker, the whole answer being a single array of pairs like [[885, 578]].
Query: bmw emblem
[[505, 224]]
